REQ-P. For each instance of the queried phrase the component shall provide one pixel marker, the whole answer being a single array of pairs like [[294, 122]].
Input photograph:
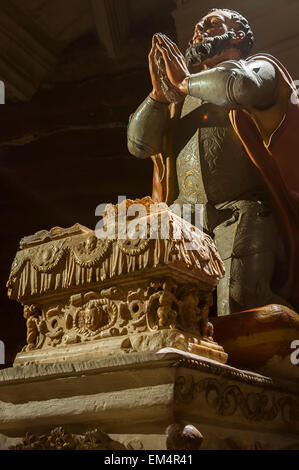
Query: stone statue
[[221, 129]]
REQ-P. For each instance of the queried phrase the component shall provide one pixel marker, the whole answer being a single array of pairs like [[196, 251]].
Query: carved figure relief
[[163, 312]]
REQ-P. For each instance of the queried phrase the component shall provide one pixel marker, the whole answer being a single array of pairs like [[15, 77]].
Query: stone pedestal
[[87, 296], [133, 398], [120, 346]]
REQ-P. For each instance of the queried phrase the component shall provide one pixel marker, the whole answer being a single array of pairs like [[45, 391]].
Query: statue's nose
[[198, 34]]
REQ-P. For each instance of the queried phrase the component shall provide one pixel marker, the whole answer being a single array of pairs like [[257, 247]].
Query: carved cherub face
[[91, 318], [91, 243]]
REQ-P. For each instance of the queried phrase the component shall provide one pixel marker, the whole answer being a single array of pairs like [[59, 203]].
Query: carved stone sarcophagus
[[88, 294]]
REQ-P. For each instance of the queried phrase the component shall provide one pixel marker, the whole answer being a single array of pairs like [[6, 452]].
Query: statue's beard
[[208, 48]]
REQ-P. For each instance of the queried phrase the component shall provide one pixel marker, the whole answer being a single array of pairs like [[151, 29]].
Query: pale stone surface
[[135, 397]]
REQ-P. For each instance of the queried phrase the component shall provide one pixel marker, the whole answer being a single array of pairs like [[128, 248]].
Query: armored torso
[[212, 164]]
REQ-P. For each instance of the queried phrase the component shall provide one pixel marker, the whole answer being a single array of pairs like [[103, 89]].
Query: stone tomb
[[86, 297]]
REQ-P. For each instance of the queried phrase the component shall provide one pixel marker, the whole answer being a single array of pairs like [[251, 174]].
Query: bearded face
[[219, 31], [209, 47], [215, 33]]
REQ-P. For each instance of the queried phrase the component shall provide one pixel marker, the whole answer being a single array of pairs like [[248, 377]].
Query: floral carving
[[46, 257], [226, 399], [59, 439], [164, 312]]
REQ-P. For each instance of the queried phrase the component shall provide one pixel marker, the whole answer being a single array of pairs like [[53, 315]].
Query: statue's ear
[[238, 37]]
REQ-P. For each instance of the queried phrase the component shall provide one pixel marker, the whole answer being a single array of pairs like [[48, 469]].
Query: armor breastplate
[[212, 165]]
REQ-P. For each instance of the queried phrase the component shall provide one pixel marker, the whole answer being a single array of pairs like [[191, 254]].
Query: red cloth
[[279, 167]]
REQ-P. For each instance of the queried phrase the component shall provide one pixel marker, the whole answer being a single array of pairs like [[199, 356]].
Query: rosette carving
[[46, 257]]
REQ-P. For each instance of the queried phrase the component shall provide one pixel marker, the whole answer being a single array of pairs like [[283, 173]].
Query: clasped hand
[[175, 65]]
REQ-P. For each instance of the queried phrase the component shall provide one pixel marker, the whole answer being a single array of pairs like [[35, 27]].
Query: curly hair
[[246, 45]]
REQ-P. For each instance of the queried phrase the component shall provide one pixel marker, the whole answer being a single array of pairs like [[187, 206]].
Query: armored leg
[[248, 244]]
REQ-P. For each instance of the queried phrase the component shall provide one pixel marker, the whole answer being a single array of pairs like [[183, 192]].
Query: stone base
[[141, 342], [134, 397]]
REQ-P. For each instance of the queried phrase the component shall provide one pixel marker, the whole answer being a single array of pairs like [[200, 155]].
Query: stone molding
[[167, 358], [132, 396]]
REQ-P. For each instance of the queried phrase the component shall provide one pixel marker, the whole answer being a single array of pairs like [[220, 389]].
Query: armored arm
[[147, 127], [236, 84]]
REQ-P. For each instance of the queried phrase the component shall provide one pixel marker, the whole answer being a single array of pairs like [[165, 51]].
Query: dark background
[[74, 71]]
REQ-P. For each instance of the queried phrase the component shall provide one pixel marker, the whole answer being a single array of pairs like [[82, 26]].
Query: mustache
[[209, 47]]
